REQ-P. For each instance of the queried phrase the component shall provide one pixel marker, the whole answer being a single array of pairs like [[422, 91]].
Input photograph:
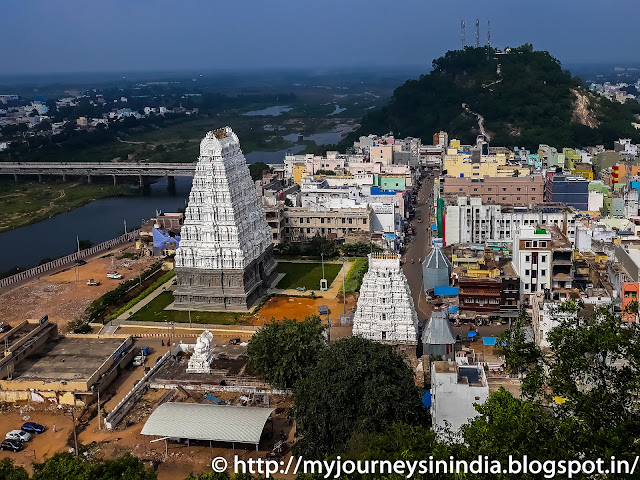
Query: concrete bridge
[[108, 169]]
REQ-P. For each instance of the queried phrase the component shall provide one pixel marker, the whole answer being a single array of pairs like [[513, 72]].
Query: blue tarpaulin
[[472, 334], [445, 291], [452, 309], [491, 341], [434, 226], [426, 399], [161, 239], [211, 397]]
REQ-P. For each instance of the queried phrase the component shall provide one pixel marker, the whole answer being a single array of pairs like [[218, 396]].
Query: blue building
[[572, 190]]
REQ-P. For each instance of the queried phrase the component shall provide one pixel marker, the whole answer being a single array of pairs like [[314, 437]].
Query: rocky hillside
[[522, 97]]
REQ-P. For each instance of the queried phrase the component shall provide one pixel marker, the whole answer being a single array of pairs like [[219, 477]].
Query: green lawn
[[306, 275], [155, 311]]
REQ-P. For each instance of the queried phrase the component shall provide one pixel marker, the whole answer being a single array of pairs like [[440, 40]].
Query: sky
[[60, 36]]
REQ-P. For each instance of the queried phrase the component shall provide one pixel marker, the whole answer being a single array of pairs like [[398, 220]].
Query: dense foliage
[[357, 386], [353, 281], [282, 353], [256, 169], [525, 97], [65, 466], [592, 372]]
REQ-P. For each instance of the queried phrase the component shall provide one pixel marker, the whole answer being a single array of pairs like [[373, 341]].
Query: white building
[[471, 221], [455, 390], [532, 259], [385, 310]]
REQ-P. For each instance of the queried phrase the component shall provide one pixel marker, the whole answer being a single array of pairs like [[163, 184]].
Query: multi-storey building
[[469, 220], [348, 224], [519, 191], [532, 258], [572, 190], [475, 163]]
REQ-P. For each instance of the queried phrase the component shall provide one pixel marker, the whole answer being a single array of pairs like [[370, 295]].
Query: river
[[101, 220]]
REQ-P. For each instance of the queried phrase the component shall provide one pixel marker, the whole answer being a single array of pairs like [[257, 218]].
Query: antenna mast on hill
[[477, 33], [463, 28], [489, 33]]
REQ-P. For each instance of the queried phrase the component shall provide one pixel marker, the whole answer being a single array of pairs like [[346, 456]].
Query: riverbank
[[26, 203]]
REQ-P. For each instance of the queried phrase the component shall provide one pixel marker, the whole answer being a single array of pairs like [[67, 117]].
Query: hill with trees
[[524, 96]]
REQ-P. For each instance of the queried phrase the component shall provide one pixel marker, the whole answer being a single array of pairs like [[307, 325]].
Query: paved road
[[419, 247]]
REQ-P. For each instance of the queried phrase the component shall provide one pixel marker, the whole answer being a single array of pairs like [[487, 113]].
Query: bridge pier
[[89, 179], [171, 182], [141, 181], [64, 177], [15, 177], [40, 178], [114, 179]]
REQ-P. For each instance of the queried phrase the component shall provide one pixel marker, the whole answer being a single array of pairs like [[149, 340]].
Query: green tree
[[358, 386], [282, 353], [65, 466], [8, 471], [321, 245], [522, 356], [256, 169]]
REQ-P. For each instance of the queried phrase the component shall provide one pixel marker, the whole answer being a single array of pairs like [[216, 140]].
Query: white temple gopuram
[[225, 259], [200, 361], [385, 311]]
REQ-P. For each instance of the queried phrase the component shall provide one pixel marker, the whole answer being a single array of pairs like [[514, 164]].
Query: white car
[[18, 435], [115, 276], [138, 361]]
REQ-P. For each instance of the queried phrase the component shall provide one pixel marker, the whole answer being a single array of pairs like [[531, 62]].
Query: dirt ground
[[40, 446], [300, 307], [62, 297]]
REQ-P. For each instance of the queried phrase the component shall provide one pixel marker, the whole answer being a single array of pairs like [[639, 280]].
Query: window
[[351, 221], [535, 243], [364, 221], [518, 189], [308, 220], [489, 189], [526, 286], [308, 230], [543, 258], [527, 244], [344, 221], [286, 220], [504, 189], [518, 198], [543, 273], [475, 189], [322, 220], [526, 272], [533, 287], [533, 189], [527, 258], [543, 244], [533, 199], [504, 198]]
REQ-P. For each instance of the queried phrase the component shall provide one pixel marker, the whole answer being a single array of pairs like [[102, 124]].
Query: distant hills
[[523, 95]]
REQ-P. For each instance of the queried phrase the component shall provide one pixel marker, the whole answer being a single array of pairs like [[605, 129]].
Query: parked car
[[92, 282], [115, 276], [18, 435], [32, 427], [13, 445], [81, 262], [138, 360], [301, 289], [235, 341]]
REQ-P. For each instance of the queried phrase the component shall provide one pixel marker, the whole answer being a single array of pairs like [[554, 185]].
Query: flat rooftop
[[445, 367], [67, 358]]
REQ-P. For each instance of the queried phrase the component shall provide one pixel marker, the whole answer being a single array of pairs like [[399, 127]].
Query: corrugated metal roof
[[438, 331], [222, 423]]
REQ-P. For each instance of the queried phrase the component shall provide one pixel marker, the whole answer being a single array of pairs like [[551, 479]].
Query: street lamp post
[[344, 291]]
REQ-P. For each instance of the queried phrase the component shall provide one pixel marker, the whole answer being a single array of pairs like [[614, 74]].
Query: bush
[[155, 285], [100, 305], [353, 280]]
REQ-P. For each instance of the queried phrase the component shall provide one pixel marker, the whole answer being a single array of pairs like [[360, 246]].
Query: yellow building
[[473, 164], [584, 171], [299, 170]]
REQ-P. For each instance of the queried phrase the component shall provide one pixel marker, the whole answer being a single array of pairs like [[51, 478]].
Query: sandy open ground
[[64, 298]]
